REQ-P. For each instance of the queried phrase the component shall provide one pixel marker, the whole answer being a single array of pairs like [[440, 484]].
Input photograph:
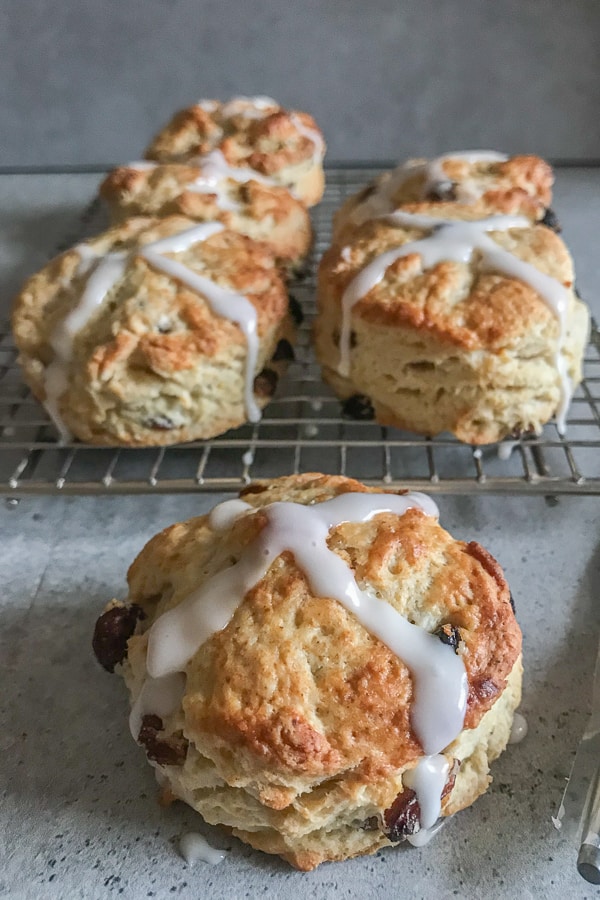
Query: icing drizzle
[[457, 241], [104, 272], [214, 170], [381, 201], [439, 677]]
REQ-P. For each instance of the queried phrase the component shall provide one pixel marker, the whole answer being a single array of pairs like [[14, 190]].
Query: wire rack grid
[[302, 429]]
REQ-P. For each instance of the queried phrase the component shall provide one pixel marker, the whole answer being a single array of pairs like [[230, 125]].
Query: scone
[[319, 667], [211, 191], [251, 132], [487, 181], [468, 326], [155, 332]]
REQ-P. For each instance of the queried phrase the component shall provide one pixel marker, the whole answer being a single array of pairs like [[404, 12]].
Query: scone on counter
[[484, 180], [455, 324], [241, 199], [285, 146], [156, 331], [317, 666]]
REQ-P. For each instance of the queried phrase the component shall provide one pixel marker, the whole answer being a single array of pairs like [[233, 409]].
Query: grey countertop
[[79, 811]]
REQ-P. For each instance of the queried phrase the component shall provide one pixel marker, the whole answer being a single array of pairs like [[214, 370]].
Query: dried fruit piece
[[265, 383], [111, 633], [169, 751], [449, 634], [358, 406]]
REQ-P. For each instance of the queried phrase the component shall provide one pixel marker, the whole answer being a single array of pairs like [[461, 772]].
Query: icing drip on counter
[[519, 729], [381, 201], [457, 241], [194, 848], [105, 271]]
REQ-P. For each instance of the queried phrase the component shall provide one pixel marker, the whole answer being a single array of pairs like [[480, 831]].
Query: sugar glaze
[[381, 201], [103, 272], [457, 241], [439, 677]]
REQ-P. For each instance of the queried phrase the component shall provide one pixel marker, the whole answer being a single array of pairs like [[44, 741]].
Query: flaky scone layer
[[263, 212], [519, 185], [295, 726], [154, 364], [454, 347], [285, 145]]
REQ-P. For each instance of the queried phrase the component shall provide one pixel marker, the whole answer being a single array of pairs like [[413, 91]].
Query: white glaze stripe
[[440, 684], [159, 697], [214, 171], [435, 173], [456, 241], [381, 201], [312, 135], [427, 780], [225, 303], [108, 270], [249, 107]]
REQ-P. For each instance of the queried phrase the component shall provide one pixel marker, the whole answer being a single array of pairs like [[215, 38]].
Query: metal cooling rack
[[302, 429]]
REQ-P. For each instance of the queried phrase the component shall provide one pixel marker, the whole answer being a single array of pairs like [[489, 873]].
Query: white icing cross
[[456, 241], [381, 201], [439, 678], [105, 271]]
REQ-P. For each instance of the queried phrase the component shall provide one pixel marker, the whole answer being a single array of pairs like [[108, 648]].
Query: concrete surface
[[83, 81]]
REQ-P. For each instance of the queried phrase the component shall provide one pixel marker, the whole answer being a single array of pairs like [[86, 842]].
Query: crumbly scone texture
[[154, 365], [451, 348], [267, 140], [295, 726], [520, 185], [263, 212]]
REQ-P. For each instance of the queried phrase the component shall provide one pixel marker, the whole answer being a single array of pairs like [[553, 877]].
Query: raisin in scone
[[484, 180], [154, 332], [455, 324], [241, 199], [318, 666], [251, 132]]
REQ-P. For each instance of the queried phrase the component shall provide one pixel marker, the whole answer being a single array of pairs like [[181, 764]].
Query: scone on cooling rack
[[285, 146], [452, 324], [319, 667], [241, 199], [154, 332], [484, 180]]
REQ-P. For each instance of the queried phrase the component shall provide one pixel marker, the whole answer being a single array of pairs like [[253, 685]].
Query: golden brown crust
[[263, 212], [453, 328], [520, 185], [272, 141], [300, 715], [154, 364]]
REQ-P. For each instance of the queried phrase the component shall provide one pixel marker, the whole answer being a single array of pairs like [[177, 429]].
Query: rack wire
[[302, 429]]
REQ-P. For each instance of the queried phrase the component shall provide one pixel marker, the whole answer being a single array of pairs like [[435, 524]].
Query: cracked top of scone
[[295, 690], [264, 212], [517, 185], [146, 339], [250, 132], [463, 304]]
